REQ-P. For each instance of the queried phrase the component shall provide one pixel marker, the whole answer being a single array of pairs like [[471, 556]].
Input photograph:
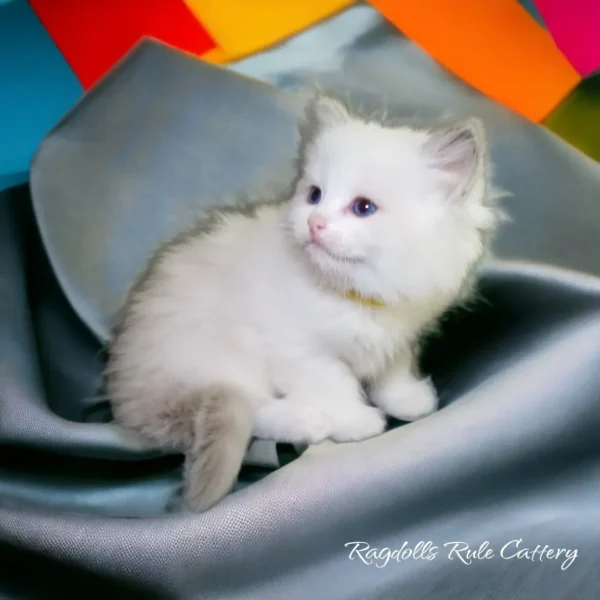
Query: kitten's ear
[[327, 112], [458, 155]]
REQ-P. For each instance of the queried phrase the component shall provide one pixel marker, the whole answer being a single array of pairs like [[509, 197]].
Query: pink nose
[[316, 224]]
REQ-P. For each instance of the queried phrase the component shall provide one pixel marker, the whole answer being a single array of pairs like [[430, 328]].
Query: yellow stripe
[[216, 56], [243, 27]]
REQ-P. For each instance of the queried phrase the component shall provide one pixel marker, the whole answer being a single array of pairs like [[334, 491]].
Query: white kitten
[[267, 322]]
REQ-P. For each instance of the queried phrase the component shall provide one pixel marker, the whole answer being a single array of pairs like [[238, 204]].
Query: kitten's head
[[395, 213]]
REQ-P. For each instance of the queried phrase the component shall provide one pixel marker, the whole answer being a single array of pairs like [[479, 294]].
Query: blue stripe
[[37, 87]]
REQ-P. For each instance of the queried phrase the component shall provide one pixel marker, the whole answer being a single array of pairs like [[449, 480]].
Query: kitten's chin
[[319, 252], [340, 272]]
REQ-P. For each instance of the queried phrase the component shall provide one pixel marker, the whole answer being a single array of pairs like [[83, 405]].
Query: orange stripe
[[494, 45]]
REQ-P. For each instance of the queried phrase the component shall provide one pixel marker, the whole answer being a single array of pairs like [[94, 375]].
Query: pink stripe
[[575, 27]]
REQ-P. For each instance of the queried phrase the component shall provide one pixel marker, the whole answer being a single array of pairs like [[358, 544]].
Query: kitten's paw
[[358, 424], [294, 423], [406, 399]]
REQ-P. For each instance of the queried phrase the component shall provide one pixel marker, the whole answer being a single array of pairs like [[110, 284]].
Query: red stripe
[[94, 34]]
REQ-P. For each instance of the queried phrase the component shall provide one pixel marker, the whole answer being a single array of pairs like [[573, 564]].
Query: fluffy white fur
[[246, 329]]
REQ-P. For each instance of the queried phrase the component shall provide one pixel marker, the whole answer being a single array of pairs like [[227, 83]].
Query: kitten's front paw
[[285, 421], [358, 424], [406, 399]]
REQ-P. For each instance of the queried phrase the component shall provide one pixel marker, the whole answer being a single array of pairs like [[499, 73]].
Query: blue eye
[[362, 207], [314, 195]]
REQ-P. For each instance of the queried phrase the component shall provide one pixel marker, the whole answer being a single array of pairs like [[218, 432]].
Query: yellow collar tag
[[372, 302]]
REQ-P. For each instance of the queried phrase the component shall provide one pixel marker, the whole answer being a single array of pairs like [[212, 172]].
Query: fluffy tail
[[222, 431]]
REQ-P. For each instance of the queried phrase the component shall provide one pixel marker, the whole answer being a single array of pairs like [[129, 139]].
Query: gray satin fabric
[[512, 454]]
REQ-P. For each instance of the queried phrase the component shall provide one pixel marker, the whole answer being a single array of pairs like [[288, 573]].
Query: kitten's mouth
[[318, 247]]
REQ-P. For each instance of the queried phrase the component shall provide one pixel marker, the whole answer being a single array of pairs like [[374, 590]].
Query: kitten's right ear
[[458, 154], [327, 112]]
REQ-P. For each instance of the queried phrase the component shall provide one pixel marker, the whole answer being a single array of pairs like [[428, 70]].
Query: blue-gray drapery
[[512, 455]]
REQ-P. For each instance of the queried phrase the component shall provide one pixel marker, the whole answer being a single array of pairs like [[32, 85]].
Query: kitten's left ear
[[327, 112], [458, 155]]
